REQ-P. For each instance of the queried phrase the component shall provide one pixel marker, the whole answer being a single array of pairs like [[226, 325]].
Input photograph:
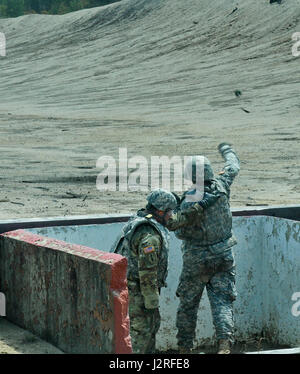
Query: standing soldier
[[144, 241], [208, 259]]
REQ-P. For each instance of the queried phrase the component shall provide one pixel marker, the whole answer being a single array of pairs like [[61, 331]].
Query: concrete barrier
[[73, 296], [268, 268]]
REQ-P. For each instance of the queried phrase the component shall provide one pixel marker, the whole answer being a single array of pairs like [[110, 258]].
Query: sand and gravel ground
[[157, 77], [15, 340]]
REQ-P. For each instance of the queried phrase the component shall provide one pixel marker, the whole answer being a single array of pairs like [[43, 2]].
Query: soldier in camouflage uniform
[[208, 259], [144, 241]]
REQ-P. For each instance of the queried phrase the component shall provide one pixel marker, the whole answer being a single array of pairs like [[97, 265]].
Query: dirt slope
[[157, 77]]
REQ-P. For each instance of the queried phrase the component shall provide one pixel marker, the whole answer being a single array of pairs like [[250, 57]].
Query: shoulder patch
[[149, 249], [148, 216]]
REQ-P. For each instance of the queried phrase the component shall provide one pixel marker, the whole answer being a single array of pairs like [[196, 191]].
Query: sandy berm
[[157, 77]]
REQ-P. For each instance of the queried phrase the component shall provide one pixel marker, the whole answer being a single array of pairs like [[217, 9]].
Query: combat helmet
[[162, 199], [196, 165]]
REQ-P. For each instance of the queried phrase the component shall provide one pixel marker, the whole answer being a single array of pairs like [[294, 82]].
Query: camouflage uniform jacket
[[184, 218], [145, 244], [213, 230]]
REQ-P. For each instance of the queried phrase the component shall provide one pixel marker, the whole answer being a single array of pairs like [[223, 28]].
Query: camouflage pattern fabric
[[141, 231], [144, 323], [194, 171], [216, 272], [145, 243], [206, 228], [208, 260], [180, 219], [162, 199]]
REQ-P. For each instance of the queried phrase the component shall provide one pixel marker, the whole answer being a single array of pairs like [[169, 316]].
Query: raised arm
[[183, 218], [232, 164]]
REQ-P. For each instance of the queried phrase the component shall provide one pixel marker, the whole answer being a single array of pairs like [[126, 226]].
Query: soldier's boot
[[224, 347]]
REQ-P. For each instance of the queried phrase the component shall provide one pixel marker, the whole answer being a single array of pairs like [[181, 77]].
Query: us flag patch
[[149, 249]]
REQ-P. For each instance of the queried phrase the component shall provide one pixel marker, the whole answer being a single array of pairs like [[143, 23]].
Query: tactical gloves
[[223, 147], [232, 165]]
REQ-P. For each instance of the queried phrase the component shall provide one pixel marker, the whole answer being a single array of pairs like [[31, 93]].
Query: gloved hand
[[208, 200], [222, 147]]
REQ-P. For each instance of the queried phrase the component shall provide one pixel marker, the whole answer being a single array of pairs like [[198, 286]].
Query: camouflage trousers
[[215, 271], [144, 323]]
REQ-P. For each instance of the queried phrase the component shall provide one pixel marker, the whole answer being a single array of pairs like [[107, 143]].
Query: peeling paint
[[49, 292], [288, 233], [267, 263], [250, 275], [296, 232]]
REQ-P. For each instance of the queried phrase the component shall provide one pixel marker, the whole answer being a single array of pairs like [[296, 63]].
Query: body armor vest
[[123, 247], [215, 224]]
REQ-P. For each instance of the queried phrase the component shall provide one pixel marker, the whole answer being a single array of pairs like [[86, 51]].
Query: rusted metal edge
[[282, 211]]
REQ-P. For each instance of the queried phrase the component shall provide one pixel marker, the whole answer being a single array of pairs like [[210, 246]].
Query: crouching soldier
[[144, 241]]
